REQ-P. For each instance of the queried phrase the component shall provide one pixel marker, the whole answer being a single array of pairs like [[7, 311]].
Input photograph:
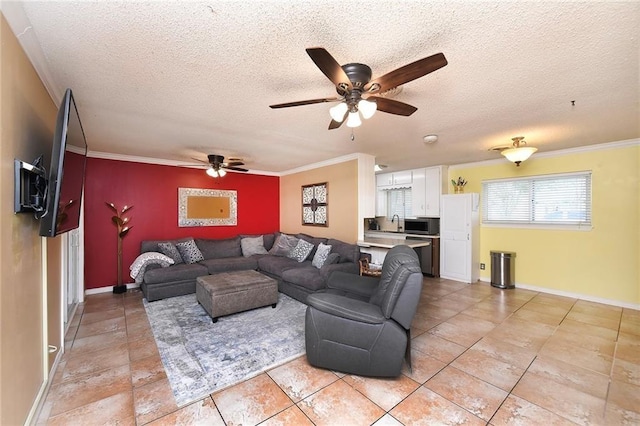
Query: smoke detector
[[429, 139]]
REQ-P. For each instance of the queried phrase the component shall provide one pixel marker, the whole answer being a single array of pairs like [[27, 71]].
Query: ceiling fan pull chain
[[353, 137]]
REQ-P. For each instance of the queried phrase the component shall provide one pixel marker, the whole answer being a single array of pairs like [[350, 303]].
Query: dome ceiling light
[[519, 152]]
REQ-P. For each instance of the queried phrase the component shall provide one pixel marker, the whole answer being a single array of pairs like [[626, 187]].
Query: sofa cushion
[[332, 258], [301, 251], [252, 245], [189, 252], [175, 273], [305, 276], [322, 252], [170, 249], [218, 249], [276, 265], [347, 252], [227, 264], [283, 245]]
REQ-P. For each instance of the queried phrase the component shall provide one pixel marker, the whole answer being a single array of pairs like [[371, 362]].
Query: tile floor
[[480, 356]]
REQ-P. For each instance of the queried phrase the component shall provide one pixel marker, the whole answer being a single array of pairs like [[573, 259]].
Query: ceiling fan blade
[[308, 102], [335, 124], [392, 106], [234, 164], [408, 72], [202, 161], [237, 169], [329, 67]]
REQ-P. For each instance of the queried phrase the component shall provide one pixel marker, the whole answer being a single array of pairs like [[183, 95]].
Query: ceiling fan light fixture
[[367, 108], [222, 172], [354, 119], [337, 112], [212, 172], [519, 152]]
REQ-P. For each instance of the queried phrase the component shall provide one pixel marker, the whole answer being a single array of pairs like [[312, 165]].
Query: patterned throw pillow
[[301, 251], [189, 252], [321, 255], [169, 249]]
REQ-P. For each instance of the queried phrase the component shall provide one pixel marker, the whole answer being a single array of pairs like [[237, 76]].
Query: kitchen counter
[[395, 235], [390, 242]]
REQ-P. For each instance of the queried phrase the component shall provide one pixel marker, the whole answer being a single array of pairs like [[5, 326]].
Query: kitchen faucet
[[393, 218]]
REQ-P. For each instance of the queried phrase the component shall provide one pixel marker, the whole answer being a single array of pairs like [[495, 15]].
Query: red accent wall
[[153, 192]]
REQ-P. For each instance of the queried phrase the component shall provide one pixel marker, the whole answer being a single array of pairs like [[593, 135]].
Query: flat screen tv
[[66, 174]]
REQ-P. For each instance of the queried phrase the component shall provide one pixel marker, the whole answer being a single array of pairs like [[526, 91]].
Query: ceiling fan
[[357, 93], [217, 165]]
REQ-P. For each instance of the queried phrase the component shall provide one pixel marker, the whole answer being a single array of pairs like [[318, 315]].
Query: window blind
[[559, 199], [399, 202]]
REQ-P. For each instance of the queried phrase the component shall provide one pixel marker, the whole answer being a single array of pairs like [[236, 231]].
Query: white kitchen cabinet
[[432, 191], [402, 178], [426, 190], [395, 178], [418, 193], [460, 238], [384, 179]]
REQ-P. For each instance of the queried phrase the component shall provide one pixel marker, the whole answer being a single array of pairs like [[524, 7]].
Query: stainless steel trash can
[[503, 270]]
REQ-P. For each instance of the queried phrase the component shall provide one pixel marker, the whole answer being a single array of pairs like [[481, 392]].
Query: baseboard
[[38, 405], [108, 289], [588, 298]]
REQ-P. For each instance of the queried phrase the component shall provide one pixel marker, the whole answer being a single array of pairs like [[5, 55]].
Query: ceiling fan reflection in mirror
[[218, 167], [358, 95]]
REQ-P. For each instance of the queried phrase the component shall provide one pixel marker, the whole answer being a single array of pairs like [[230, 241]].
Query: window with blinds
[[560, 199], [399, 202]]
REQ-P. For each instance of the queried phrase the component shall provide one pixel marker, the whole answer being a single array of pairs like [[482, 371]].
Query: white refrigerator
[[460, 237]]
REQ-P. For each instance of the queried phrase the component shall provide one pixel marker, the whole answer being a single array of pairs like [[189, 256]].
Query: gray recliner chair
[[361, 325]]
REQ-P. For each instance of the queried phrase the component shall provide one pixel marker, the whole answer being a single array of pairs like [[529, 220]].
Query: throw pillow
[[139, 266], [252, 245], [321, 255], [301, 251], [189, 252], [283, 245], [332, 258], [169, 249]]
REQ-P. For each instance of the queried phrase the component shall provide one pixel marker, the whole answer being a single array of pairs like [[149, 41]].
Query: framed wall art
[[315, 204], [207, 207]]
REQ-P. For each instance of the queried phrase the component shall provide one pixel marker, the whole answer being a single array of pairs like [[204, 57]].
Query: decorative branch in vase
[[458, 186], [121, 223]]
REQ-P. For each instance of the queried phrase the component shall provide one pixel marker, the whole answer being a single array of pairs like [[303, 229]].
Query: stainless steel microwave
[[422, 226]]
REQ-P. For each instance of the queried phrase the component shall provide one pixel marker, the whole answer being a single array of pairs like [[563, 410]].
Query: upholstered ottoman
[[230, 292]]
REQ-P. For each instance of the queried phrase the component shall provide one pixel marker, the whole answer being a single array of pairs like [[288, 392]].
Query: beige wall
[[602, 263], [342, 181], [27, 119]]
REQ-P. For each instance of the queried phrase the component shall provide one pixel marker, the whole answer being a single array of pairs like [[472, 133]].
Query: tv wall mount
[[30, 186]]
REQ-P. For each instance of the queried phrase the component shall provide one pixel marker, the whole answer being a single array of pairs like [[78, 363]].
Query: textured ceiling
[[177, 80]]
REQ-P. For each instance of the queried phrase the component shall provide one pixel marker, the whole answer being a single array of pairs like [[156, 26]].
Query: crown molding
[[163, 162], [15, 15], [558, 153], [330, 162]]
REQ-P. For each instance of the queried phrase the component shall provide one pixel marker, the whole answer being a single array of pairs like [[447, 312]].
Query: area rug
[[201, 357]]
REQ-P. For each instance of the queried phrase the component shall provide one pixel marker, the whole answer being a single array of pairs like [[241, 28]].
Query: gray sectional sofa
[[295, 278]]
